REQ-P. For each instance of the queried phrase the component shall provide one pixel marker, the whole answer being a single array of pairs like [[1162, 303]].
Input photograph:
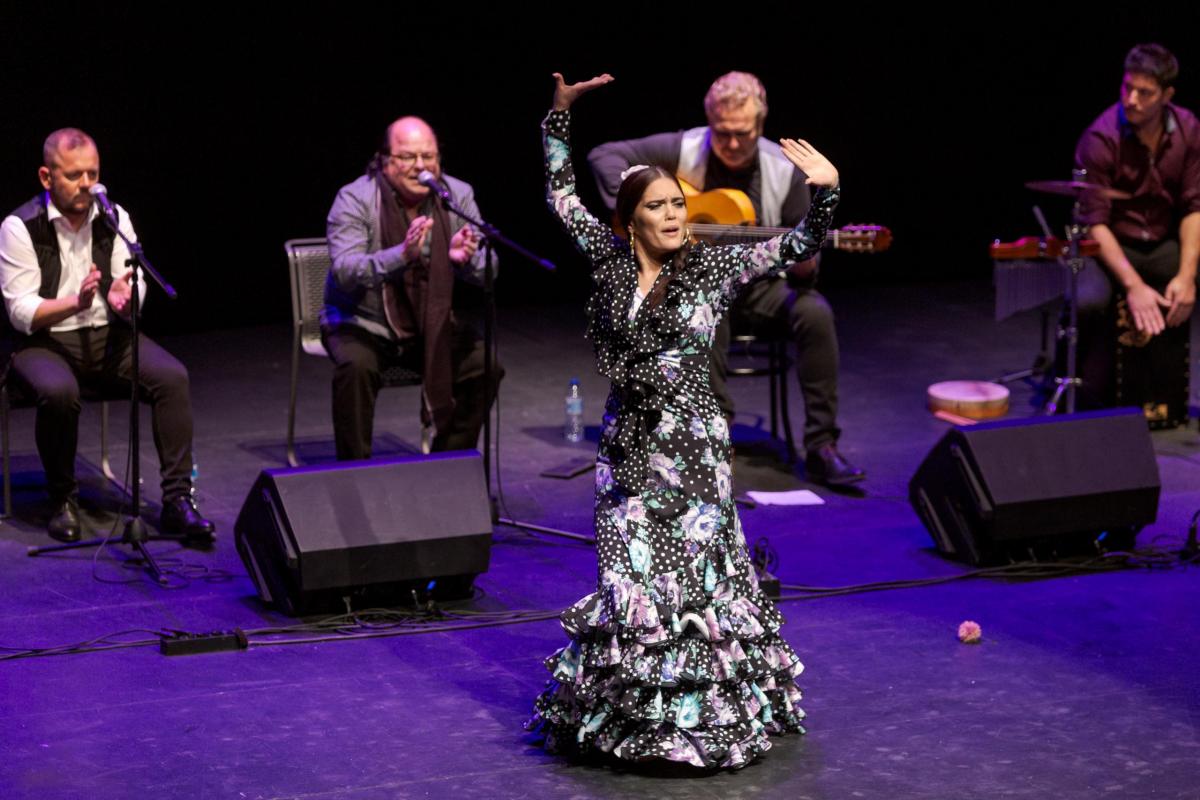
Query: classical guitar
[[726, 216]]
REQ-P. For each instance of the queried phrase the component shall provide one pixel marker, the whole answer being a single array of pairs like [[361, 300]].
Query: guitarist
[[730, 153]]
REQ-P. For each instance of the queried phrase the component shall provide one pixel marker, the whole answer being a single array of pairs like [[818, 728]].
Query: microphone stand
[[134, 531], [492, 234], [1069, 383]]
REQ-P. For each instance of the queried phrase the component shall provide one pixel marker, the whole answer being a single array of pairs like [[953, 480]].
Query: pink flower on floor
[[970, 633]]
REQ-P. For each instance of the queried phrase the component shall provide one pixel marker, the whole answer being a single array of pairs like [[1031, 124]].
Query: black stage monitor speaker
[[1039, 487], [310, 536]]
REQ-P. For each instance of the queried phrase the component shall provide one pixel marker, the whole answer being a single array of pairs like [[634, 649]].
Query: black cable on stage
[[90, 646], [184, 571], [113, 530], [1111, 562], [500, 498], [381, 623], [502, 619]]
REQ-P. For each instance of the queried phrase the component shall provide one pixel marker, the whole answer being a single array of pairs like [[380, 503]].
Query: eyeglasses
[[408, 159], [741, 136]]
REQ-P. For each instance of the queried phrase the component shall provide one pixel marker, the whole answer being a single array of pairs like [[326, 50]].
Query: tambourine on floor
[[964, 402]]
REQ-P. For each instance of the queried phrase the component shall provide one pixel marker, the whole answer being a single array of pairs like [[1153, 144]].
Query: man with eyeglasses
[[395, 294], [67, 296], [731, 153], [1148, 148]]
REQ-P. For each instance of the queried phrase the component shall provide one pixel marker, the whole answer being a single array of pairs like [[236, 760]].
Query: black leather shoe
[[826, 465], [180, 517], [64, 525]]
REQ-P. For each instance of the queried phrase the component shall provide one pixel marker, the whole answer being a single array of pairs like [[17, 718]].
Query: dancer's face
[[660, 218]]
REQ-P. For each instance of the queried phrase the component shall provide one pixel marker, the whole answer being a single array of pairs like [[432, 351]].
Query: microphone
[[100, 194], [427, 178]]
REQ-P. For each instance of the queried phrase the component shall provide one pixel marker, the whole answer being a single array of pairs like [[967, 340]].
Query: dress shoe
[[64, 525], [826, 465], [180, 517]]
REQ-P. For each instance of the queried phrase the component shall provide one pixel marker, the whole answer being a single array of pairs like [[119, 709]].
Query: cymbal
[[1076, 188]]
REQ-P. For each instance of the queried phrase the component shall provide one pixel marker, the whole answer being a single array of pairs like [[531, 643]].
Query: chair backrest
[[308, 262]]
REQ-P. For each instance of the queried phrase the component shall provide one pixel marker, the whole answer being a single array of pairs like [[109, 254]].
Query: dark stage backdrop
[[226, 130]]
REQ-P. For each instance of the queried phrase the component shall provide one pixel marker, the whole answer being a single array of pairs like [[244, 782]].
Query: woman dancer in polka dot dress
[[677, 654]]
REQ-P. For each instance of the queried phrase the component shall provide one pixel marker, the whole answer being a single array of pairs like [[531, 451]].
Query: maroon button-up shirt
[[1165, 185]]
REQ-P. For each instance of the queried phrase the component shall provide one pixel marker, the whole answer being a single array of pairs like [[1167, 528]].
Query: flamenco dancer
[[677, 655]]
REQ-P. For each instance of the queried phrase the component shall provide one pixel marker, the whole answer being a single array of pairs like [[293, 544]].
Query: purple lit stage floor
[[1082, 687]]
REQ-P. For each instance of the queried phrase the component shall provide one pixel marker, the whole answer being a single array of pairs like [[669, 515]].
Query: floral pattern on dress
[[677, 654]]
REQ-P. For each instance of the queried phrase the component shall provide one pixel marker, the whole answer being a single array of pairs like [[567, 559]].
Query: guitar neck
[[730, 234], [723, 216]]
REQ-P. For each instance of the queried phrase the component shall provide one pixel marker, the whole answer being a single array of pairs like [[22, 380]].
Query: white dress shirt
[[21, 277]]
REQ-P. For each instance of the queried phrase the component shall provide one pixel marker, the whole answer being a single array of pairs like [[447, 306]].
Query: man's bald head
[[407, 128], [62, 140]]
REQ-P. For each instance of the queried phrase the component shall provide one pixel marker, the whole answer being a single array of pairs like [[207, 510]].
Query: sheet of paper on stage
[[798, 497]]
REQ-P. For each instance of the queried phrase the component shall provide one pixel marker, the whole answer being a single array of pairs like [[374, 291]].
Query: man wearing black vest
[[67, 293]]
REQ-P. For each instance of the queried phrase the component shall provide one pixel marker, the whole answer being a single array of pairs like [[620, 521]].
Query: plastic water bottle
[[573, 428]]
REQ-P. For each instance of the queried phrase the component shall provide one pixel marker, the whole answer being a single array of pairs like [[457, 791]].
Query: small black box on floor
[[1155, 374], [375, 530], [1039, 488]]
